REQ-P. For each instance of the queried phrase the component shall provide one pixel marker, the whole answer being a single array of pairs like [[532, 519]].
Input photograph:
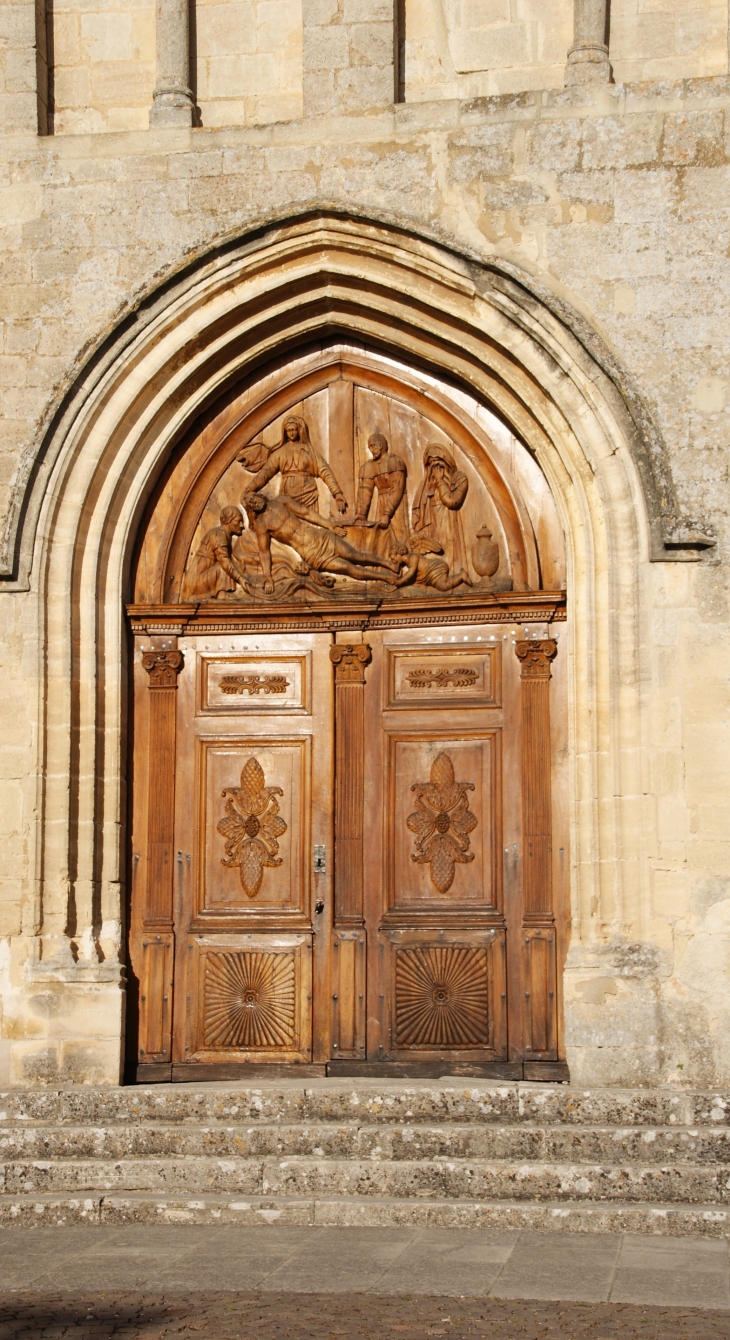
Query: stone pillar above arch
[[588, 61]]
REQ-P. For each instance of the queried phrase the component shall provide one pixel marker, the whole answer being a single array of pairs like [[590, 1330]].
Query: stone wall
[[611, 201]]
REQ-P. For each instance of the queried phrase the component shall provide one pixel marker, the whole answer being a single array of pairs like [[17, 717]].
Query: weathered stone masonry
[[609, 201]]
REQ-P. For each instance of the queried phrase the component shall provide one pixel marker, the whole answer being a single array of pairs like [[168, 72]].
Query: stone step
[[410, 1141], [672, 1220], [365, 1101], [453, 1179]]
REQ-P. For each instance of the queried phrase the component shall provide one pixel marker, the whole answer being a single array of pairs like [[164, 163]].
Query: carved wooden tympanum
[[348, 842]]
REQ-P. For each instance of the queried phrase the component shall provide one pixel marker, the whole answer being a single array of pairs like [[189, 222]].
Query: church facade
[[364, 566]]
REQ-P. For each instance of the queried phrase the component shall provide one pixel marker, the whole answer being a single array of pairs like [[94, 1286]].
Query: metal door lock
[[319, 906], [320, 865]]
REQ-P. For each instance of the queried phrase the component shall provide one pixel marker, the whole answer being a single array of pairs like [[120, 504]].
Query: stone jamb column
[[173, 103], [588, 61]]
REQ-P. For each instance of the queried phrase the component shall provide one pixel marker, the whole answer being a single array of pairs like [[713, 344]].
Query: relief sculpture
[[284, 547], [442, 822], [252, 826], [437, 505], [299, 464], [212, 571], [385, 475], [319, 543]]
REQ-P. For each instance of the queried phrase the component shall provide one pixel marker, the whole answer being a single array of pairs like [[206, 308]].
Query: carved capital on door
[[349, 661], [535, 657], [163, 668]]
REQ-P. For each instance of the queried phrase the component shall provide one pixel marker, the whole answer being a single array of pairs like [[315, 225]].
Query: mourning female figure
[[298, 463], [437, 503]]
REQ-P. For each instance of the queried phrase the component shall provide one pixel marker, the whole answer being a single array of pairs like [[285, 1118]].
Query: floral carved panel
[[252, 826], [442, 822]]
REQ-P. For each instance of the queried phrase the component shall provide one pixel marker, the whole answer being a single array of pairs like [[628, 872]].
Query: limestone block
[[325, 49], [634, 143], [509, 45], [286, 107], [229, 75], [20, 71], [483, 13], [107, 37], [224, 29], [371, 43], [279, 25]]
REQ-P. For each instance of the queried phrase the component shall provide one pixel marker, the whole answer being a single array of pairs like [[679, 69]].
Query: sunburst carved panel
[[249, 1000], [441, 997]]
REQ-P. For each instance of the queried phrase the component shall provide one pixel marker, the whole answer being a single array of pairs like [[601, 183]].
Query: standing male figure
[[385, 473]]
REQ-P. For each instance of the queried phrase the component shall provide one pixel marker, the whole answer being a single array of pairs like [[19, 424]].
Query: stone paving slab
[[165, 1260], [289, 1316]]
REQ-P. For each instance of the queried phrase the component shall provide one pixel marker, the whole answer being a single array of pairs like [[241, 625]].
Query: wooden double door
[[344, 853]]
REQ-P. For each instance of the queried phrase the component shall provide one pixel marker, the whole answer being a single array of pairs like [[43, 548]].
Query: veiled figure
[[437, 503], [299, 464]]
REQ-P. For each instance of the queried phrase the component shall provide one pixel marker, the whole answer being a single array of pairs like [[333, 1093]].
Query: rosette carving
[[252, 826], [442, 822]]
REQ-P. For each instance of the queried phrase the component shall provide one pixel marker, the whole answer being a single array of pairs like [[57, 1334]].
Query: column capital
[[349, 661], [535, 657], [163, 668]]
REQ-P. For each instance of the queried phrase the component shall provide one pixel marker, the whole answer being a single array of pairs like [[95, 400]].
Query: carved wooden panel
[[447, 993], [163, 666], [252, 826], [540, 995], [443, 824], [535, 658], [444, 676], [253, 833], [155, 997], [252, 685], [441, 997], [250, 997], [348, 993]]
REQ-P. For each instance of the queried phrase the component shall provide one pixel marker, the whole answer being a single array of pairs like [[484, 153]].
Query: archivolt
[[324, 271], [481, 325]]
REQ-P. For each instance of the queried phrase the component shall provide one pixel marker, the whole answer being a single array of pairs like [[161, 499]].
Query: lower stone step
[[708, 1221], [400, 1179]]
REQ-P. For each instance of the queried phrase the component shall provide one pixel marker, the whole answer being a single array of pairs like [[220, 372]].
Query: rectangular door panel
[[439, 677], [251, 684], [443, 823], [253, 826], [447, 994], [254, 851], [250, 998]]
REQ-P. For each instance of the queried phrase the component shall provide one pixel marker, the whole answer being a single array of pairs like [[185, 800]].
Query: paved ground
[[272, 1282]]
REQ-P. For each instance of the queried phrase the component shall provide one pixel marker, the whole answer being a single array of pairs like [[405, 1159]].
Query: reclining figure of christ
[[314, 538]]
